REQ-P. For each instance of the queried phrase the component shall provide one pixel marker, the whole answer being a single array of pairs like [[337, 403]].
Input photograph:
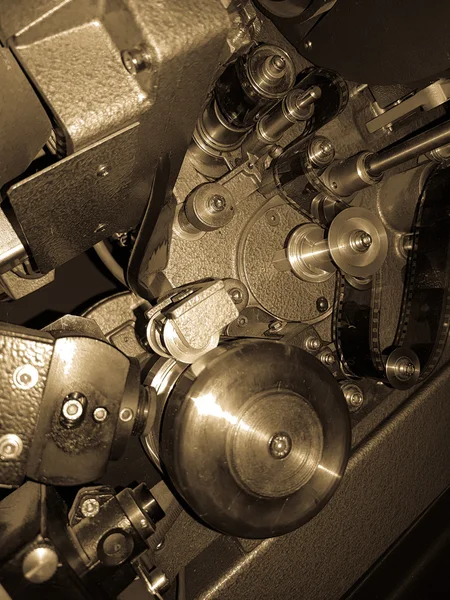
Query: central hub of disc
[[280, 444], [276, 444]]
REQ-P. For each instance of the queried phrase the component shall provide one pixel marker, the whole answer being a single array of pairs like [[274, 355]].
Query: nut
[[90, 507]]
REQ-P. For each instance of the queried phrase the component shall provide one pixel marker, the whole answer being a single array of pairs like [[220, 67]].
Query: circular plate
[[280, 293], [350, 261], [255, 437]]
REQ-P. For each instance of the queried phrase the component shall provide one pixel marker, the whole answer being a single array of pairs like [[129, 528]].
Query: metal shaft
[[424, 142]]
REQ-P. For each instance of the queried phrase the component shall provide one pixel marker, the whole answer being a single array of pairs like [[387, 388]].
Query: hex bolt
[[40, 564], [327, 358], [90, 507], [25, 377], [11, 446], [100, 414], [322, 304], [73, 409], [136, 60], [313, 343], [236, 295]]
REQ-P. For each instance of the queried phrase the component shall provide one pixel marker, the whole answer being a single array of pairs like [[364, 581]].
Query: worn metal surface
[[12, 251], [24, 124], [70, 206]]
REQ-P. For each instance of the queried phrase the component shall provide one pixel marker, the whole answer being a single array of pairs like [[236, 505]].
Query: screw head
[[160, 545], [126, 414], [73, 409], [100, 414], [103, 171], [322, 304], [242, 321], [90, 507], [280, 445], [217, 203], [313, 343], [405, 368], [308, 45], [236, 295], [25, 377], [11, 446], [353, 396], [327, 358], [136, 60], [278, 62], [40, 564]]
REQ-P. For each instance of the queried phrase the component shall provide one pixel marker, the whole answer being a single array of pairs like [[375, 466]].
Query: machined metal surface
[[12, 251], [278, 406]]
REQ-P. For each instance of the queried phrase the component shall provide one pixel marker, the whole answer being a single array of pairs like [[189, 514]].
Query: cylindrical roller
[[249, 86], [295, 107], [357, 172], [356, 244], [255, 437], [294, 175], [207, 208]]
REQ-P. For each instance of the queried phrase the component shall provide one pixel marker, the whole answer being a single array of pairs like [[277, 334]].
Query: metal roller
[[254, 436]]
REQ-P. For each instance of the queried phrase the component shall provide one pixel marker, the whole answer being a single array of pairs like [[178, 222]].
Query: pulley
[[356, 244], [254, 436]]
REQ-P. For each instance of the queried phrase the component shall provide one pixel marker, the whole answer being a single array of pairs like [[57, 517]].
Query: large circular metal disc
[[255, 437]]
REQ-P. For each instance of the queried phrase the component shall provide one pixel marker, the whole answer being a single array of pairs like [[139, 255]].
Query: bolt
[[100, 414], [327, 358], [103, 171], [11, 446], [308, 45], [136, 60], [278, 62], [272, 217], [280, 445], [405, 368], [126, 414], [242, 321], [90, 507], [322, 304], [25, 377], [407, 242], [160, 545], [353, 396], [360, 241], [275, 151], [217, 203], [236, 295], [275, 325], [73, 409], [40, 564], [313, 343], [356, 400]]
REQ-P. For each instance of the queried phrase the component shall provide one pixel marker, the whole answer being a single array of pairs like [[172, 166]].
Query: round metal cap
[[264, 73], [402, 368], [255, 437], [358, 242]]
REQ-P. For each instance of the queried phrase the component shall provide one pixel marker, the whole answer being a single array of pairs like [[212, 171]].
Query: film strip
[[425, 313]]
